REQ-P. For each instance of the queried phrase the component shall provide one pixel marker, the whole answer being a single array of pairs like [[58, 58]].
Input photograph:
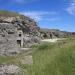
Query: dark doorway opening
[[19, 35], [45, 36], [19, 42], [51, 36]]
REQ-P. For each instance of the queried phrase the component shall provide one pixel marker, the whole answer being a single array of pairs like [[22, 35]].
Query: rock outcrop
[[17, 31], [55, 33], [51, 33]]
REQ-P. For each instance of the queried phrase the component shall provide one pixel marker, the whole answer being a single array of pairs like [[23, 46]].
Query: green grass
[[7, 13], [49, 58], [54, 59]]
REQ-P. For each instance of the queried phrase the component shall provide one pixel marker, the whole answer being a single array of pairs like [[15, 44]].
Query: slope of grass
[[7, 13], [48, 59], [54, 59]]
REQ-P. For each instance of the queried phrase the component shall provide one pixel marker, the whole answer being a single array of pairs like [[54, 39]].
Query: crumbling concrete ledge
[[10, 70]]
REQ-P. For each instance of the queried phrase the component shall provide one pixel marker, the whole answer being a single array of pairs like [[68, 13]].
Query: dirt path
[[52, 40]]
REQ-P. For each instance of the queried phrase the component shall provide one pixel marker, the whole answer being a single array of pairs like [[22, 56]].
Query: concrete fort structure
[[16, 32], [11, 40]]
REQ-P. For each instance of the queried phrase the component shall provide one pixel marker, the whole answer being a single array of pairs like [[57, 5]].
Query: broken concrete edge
[[10, 69]]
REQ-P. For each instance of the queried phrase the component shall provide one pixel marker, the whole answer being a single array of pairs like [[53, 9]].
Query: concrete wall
[[8, 42]]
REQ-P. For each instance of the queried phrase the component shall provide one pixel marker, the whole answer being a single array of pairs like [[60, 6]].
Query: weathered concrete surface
[[31, 40], [10, 70], [17, 32]]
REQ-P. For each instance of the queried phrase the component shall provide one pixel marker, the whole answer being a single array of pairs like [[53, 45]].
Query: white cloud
[[71, 7], [40, 15]]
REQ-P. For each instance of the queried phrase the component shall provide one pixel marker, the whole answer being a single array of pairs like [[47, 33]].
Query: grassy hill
[[48, 58], [6, 13], [54, 59]]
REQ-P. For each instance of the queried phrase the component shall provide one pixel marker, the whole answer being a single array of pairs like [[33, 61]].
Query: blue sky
[[53, 14]]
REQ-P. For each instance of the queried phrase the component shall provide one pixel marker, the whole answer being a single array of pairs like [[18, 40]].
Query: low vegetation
[[49, 58], [54, 59], [8, 13]]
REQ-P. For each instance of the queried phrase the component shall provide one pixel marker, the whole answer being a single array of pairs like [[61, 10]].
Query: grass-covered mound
[[7, 13]]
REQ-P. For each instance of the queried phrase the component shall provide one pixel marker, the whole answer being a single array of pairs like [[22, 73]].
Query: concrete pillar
[[22, 40]]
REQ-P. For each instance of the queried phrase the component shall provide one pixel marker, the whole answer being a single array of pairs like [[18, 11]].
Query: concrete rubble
[[10, 70]]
